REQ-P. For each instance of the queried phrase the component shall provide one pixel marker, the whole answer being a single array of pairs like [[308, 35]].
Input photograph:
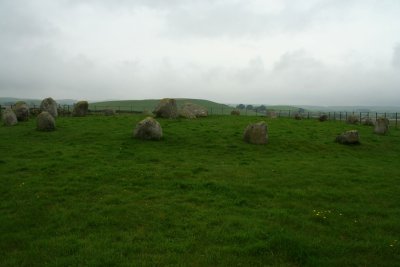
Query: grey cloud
[[297, 60], [396, 56], [237, 18]]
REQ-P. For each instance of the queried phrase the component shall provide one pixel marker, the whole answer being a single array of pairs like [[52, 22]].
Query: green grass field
[[89, 194]]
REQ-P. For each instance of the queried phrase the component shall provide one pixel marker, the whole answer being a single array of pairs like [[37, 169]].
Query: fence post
[[346, 116], [385, 115], [308, 115], [360, 117], [289, 113], [396, 119], [376, 115]]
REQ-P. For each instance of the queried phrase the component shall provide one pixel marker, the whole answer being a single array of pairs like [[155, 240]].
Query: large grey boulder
[[256, 133], [348, 138], [49, 105], [166, 108], [191, 111], [45, 122], [80, 109], [381, 126], [21, 111], [9, 117], [148, 129]]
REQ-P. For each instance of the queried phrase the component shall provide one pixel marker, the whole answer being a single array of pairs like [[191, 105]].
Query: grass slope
[[150, 104], [90, 195]]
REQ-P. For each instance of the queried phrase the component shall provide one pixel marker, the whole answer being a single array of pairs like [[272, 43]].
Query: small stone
[[235, 112], [368, 121], [323, 117], [109, 112], [298, 116], [352, 119]]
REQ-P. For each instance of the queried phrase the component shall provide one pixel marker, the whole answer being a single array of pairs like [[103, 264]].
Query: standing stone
[[352, 119], [80, 109], [381, 126], [235, 112], [109, 112], [49, 105], [166, 108], [323, 117], [271, 114], [368, 121], [148, 129], [9, 117], [298, 116], [45, 122], [191, 111], [256, 133], [21, 111], [348, 138]]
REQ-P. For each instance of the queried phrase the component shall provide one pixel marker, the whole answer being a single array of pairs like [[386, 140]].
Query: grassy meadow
[[88, 194]]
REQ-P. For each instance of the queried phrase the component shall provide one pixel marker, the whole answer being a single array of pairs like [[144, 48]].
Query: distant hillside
[[353, 108], [150, 104], [6, 101]]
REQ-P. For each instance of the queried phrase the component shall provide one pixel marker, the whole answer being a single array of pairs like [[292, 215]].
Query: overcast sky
[[318, 52]]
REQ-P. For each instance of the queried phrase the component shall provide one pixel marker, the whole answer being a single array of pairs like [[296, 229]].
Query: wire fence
[[66, 110]]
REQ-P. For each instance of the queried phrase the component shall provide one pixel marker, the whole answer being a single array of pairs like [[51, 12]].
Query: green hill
[[12, 100], [150, 104]]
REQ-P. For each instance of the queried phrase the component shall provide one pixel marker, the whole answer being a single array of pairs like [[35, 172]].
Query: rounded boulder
[[256, 133], [235, 112], [80, 109], [166, 108], [45, 122], [9, 118], [348, 138], [21, 111], [191, 111], [148, 129]]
